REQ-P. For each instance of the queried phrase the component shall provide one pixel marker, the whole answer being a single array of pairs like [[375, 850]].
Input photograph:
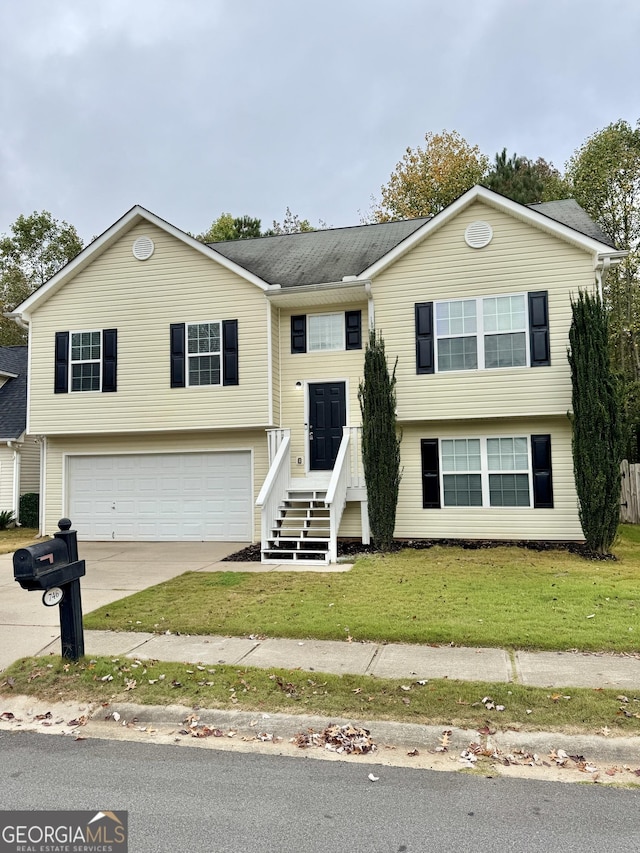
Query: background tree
[[526, 181], [380, 442], [605, 177], [291, 224], [598, 438], [36, 248], [427, 179], [228, 227]]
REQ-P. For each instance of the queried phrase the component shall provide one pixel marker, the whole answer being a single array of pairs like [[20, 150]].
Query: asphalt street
[[210, 801]]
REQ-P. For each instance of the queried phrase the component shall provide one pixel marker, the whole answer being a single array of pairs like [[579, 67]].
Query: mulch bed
[[355, 548]]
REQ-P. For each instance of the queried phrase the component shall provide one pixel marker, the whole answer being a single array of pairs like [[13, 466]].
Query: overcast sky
[[194, 107]]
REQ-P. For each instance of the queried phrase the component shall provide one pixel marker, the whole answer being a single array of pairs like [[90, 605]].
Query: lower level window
[[486, 471]]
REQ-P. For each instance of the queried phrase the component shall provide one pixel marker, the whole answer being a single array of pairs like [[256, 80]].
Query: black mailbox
[[45, 565]]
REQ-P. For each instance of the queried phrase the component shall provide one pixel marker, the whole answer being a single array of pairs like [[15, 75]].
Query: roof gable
[[553, 219], [133, 217]]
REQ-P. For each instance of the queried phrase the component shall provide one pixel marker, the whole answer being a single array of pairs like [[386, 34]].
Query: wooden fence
[[630, 493]]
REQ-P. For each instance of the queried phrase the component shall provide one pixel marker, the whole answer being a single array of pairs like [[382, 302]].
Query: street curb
[[594, 748]]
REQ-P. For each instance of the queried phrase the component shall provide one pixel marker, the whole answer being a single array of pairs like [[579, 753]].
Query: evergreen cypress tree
[[598, 436], [380, 442]]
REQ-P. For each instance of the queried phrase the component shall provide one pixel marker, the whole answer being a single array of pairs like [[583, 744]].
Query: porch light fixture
[[298, 385]]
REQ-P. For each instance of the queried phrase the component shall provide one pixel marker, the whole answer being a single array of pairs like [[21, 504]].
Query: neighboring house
[[194, 392], [19, 453]]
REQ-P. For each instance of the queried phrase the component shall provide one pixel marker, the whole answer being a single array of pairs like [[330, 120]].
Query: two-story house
[[210, 392]]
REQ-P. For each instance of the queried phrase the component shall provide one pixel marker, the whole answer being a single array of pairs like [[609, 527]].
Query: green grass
[[17, 537], [507, 597], [440, 701]]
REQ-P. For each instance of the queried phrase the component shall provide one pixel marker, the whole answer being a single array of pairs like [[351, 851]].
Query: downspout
[[602, 267], [43, 482], [15, 446], [370, 307]]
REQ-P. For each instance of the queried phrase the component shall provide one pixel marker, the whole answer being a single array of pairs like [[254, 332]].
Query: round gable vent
[[143, 248], [478, 235]]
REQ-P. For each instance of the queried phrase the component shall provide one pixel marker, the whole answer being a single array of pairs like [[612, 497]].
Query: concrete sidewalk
[[541, 669]]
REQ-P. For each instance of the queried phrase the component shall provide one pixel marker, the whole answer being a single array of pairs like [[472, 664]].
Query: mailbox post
[[53, 568]]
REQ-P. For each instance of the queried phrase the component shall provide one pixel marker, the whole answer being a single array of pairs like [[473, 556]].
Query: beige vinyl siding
[[6, 478], [59, 447], [275, 363], [141, 299], [346, 365], [351, 521], [29, 466], [519, 259], [558, 524]]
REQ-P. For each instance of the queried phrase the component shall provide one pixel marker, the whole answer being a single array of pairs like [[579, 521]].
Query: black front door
[[327, 416]]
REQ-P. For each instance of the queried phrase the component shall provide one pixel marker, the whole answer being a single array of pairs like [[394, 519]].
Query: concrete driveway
[[114, 570]]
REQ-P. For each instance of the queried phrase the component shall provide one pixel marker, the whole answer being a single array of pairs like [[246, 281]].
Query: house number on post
[[53, 596]]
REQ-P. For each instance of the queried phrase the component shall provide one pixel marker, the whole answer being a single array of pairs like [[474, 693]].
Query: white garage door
[[163, 496]]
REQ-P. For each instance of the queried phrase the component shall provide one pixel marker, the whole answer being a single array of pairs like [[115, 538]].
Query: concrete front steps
[[301, 531]]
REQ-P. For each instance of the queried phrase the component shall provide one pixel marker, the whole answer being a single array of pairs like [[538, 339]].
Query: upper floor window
[[326, 332], [482, 333], [85, 361], [203, 353], [203, 349]]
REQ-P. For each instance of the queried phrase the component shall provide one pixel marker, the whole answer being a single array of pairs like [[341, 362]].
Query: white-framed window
[[204, 353], [325, 332], [492, 471], [482, 334], [85, 361]]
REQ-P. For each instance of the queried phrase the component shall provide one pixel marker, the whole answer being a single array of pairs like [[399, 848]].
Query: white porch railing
[[274, 488], [275, 437], [356, 478]]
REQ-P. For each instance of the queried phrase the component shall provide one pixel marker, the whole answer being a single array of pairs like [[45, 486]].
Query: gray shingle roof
[[568, 212], [13, 394], [317, 257]]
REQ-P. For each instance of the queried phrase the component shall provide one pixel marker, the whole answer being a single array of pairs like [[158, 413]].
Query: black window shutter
[[61, 374], [299, 333], [430, 473], [178, 357], [353, 329], [542, 479], [230, 352], [109, 359], [424, 338], [539, 329]]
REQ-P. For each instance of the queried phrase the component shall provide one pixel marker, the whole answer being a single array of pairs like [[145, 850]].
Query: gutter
[[17, 318]]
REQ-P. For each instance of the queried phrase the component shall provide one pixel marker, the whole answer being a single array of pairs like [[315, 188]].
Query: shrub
[[30, 509], [6, 518]]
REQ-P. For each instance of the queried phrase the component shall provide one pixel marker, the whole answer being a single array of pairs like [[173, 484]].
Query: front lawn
[[17, 537], [506, 596]]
